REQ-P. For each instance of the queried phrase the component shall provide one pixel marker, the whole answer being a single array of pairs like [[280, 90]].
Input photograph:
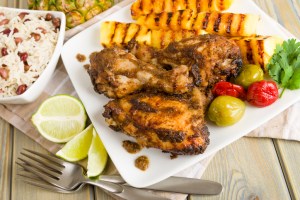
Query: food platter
[[161, 166]]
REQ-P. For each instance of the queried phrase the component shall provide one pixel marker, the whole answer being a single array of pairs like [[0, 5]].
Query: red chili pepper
[[262, 93], [229, 89]]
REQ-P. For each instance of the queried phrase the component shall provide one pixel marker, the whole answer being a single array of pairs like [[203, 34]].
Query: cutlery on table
[[65, 170], [54, 171]]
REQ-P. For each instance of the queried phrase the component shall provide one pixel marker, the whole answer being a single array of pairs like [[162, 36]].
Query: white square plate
[[161, 166]]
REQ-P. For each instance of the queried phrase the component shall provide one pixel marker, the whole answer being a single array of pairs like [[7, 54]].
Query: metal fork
[[68, 176], [32, 179]]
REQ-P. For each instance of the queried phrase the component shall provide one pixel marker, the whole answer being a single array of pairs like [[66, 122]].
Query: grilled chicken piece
[[144, 7], [174, 124], [212, 58], [228, 24], [117, 73]]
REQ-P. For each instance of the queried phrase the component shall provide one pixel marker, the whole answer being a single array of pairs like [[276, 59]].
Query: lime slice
[[97, 156], [77, 148], [60, 118]]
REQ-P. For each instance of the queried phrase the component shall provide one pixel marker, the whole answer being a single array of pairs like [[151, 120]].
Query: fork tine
[[58, 161], [46, 186], [40, 174], [29, 175], [48, 164], [32, 179], [40, 168]]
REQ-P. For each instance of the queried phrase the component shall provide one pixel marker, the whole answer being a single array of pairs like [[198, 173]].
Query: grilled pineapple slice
[[119, 34], [116, 33], [145, 7], [228, 24], [257, 50]]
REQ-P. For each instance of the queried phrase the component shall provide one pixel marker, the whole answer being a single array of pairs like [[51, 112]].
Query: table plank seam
[[283, 169], [297, 7], [11, 151]]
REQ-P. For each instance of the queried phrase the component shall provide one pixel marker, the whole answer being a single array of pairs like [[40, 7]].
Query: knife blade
[[177, 185], [187, 186]]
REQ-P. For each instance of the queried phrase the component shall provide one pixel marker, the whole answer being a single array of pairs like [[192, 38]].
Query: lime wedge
[[97, 156], [77, 148], [60, 118]]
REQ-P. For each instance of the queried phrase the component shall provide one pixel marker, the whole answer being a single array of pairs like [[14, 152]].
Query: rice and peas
[[27, 42]]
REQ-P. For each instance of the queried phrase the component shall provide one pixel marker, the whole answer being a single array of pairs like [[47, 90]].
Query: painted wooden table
[[250, 168]]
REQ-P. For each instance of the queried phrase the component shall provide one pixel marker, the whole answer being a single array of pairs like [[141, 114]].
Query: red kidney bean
[[4, 51], [4, 21], [4, 73], [23, 14], [6, 31], [56, 22], [18, 40], [48, 17], [23, 56], [1, 91], [26, 66], [15, 30], [1, 14], [21, 89], [42, 30], [36, 36]]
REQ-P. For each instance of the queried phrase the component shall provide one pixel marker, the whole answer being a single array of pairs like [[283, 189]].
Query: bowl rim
[[56, 52]]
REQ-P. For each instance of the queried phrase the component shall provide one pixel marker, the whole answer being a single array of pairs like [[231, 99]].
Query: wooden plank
[[288, 152], [248, 169], [100, 195], [6, 139], [285, 12], [20, 190]]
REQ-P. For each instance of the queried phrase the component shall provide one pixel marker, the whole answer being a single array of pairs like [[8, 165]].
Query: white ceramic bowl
[[35, 90]]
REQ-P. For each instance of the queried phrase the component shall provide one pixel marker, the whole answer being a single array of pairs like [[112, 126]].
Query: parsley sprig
[[284, 66]]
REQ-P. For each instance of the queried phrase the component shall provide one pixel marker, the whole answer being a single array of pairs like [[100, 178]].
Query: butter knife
[[177, 185], [187, 186]]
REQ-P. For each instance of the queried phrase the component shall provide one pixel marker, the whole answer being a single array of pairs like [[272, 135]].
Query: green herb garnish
[[284, 66]]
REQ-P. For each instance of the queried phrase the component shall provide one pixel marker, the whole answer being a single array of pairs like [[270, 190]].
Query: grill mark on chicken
[[196, 74], [141, 106], [168, 135]]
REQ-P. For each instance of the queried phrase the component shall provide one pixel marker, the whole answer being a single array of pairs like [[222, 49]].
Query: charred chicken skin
[[173, 124], [166, 116], [211, 58], [117, 73]]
